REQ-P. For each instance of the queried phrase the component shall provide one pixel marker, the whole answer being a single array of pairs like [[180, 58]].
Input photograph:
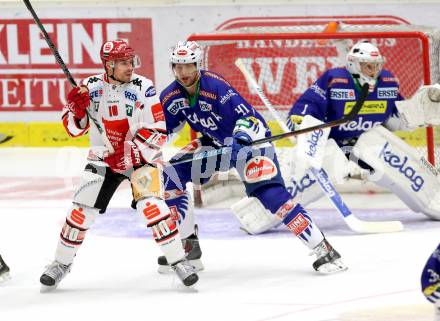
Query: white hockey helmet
[[186, 52], [364, 52]]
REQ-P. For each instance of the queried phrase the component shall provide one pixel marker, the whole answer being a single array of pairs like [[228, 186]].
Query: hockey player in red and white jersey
[[126, 106]]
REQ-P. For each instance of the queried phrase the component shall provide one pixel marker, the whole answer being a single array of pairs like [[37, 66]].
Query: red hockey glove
[[78, 100], [125, 158]]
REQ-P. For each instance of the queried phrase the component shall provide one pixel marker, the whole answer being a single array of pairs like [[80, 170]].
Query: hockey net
[[286, 60]]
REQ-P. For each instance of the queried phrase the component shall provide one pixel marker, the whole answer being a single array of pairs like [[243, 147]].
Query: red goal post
[[287, 60]]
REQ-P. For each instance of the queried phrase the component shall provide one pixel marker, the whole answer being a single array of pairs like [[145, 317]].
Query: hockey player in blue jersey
[[431, 281], [214, 109], [368, 139]]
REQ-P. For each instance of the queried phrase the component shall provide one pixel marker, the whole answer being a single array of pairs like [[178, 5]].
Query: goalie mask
[[365, 63]]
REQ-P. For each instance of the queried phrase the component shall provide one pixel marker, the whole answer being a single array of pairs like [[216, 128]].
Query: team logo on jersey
[[204, 106], [368, 108], [387, 93], [342, 94], [227, 96], [150, 92], [176, 105], [259, 169], [359, 125], [128, 110]]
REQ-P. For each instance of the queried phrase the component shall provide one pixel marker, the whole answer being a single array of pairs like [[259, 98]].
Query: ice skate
[[186, 272], [53, 275], [4, 271], [328, 259], [193, 253]]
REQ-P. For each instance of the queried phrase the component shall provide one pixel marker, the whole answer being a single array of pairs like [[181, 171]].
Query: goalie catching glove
[[422, 109]]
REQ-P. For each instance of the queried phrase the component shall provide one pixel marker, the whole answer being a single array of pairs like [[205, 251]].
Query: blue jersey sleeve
[[314, 100]]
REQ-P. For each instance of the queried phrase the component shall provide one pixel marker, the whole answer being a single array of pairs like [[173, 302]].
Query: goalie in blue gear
[[214, 109], [367, 140], [431, 281]]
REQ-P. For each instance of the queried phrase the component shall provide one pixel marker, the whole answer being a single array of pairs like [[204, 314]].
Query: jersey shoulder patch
[[93, 81], [211, 75], [170, 92]]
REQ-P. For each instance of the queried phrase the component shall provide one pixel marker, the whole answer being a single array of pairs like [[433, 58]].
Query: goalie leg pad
[[399, 168], [165, 232], [303, 186], [78, 221], [146, 181], [253, 216]]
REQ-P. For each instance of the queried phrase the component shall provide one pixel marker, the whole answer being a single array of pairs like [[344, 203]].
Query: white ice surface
[[246, 279]]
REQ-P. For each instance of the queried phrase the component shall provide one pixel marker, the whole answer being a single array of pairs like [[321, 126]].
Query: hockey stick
[[4, 138], [227, 149], [353, 222], [350, 116], [67, 72]]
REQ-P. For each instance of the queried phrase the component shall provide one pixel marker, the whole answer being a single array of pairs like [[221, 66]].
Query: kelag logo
[[403, 168], [31, 80], [312, 141], [298, 187]]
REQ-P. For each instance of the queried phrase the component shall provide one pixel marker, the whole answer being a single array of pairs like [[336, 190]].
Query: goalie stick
[[352, 221], [66, 72]]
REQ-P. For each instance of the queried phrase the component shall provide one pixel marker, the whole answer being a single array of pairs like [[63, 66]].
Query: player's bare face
[[371, 69], [123, 70], [186, 74]]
